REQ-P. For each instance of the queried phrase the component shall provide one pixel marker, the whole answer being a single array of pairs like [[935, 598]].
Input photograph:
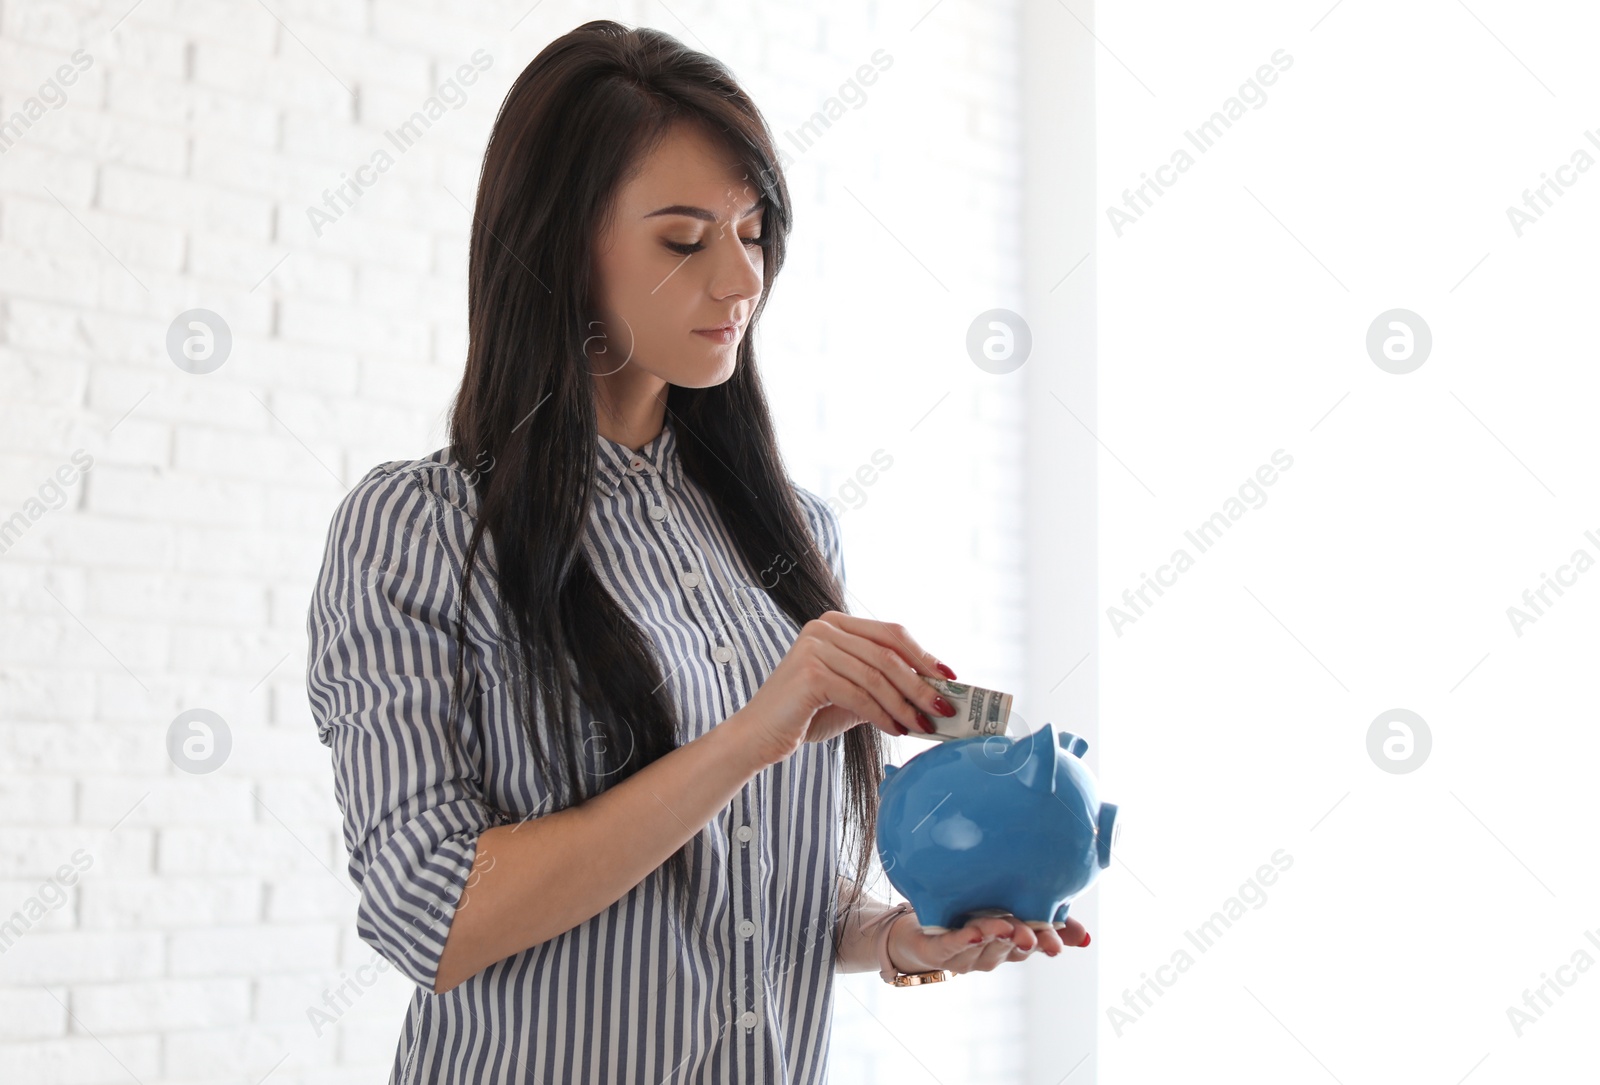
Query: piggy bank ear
[[1041, 747]]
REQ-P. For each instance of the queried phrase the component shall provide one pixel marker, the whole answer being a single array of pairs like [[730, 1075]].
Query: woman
[[593, 698]]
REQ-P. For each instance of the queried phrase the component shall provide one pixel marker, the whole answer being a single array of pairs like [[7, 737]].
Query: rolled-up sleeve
[[380, 678]]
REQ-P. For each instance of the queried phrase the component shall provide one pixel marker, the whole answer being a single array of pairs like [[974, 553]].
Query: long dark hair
[[575, 122]]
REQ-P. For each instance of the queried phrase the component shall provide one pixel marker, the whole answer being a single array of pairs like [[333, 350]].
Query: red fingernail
[[1085, 939], [944, 707], [976, 938], [903, 729], [946, 671], [927, 724]]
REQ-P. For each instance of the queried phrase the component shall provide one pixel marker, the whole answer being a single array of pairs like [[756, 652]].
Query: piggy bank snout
[[1107, 830], [1073, 744]]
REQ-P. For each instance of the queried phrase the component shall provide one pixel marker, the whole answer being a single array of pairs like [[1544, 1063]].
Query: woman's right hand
[[841, 671]]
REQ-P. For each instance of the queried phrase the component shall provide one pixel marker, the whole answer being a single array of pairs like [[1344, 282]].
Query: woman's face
[[679, 259]]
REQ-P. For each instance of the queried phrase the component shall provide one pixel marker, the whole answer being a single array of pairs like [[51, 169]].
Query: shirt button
[[690, 580], [744, 833], [636, 463], [722, 653], [746, 928], [748, 1019], [657, 512]]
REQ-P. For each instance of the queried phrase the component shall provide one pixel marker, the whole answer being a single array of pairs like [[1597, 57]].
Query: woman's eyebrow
[[701, 212]]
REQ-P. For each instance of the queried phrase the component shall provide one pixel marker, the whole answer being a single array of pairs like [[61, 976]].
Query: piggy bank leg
[[936, 919], [1028, 911]]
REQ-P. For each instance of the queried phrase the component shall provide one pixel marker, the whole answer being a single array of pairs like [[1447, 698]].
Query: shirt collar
[[616, 461]]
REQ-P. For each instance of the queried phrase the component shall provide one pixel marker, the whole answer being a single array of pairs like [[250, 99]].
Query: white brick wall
[[213, 911]]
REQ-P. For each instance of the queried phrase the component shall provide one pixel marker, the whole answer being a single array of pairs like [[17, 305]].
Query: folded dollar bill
[[979, 711]]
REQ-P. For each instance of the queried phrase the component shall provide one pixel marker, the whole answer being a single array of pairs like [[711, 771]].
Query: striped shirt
[[628, 995]]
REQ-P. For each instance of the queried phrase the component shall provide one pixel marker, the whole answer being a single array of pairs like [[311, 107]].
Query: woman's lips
[[724, 335]]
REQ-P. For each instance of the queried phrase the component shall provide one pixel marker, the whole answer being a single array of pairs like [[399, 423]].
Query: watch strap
[[885, 922]]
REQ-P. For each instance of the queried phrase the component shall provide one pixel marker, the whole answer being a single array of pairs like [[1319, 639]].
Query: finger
[[1072, 932], [962, 946], [998, 926], [1049, 941], [890, 635], [1019, 954], [1024, 937], [990, 930], [840, 690], [994, 954], [872, 681], [1020, 938], [968, 938], [887, 671], [1001, 939]]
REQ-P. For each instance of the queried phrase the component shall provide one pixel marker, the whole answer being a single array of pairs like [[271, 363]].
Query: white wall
[[1060, 63], [1378, 571], [212, 911]]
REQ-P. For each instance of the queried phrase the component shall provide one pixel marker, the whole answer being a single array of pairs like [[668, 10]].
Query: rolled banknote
[[979, 711]]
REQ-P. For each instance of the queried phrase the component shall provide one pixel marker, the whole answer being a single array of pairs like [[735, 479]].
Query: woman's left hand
[[981, 945]]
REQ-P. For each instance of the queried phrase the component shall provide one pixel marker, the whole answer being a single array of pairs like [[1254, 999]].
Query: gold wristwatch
[[917, 979]]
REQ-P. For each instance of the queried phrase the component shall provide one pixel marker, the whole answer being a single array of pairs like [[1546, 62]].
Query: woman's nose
[[739, 268]]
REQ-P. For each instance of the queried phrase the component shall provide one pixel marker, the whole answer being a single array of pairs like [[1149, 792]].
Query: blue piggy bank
[[994, 825]]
